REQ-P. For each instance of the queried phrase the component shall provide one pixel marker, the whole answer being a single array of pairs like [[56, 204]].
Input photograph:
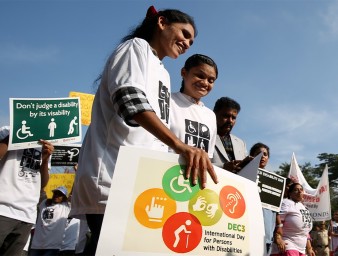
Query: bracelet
[[279, 225]]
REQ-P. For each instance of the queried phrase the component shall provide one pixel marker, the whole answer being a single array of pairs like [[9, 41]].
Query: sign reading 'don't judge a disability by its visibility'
[[153, 210], [53, 119]]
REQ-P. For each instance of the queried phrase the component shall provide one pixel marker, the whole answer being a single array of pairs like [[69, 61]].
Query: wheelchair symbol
[[191, 128], [24, 131], [181, 182]]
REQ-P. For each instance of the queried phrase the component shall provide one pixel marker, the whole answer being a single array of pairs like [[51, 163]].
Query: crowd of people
[[134, 106], [31, 223]]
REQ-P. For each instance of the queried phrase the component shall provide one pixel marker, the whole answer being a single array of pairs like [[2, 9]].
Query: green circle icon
[[176, 186]]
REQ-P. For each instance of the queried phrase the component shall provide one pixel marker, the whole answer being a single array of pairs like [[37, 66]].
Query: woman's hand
[[280, 242], [310, 252], [197, 160], [198, 164]]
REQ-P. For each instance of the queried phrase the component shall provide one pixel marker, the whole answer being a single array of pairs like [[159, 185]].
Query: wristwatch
[[279, 225]]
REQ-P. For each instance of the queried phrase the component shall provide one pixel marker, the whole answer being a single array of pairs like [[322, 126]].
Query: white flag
[[316, 200]]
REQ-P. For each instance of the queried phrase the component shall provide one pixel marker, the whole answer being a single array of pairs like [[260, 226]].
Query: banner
[[270, 185], [271, 189], [62, 172], [86, 102], [153, 210], [316, 200], [66, 155], [250, 170], [57, 180], [55, 120]]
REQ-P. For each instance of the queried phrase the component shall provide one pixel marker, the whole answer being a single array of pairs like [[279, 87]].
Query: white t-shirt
[[82, 239], [20, 184], [50, 226], [192, 123], [297, 223], [71, 235], [133, 64], [334, 239]]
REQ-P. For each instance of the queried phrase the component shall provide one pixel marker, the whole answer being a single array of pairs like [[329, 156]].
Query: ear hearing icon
[[233, 202]]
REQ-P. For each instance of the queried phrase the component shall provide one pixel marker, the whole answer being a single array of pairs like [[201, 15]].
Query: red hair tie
[[151, 12]]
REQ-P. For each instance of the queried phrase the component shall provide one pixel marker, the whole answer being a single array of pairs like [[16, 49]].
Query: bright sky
[[278, 59]]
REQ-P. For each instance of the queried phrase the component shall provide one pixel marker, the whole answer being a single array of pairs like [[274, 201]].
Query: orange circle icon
[[153, 207], [232, 202]]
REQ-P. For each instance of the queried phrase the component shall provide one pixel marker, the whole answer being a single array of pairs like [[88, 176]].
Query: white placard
[[152, 210]]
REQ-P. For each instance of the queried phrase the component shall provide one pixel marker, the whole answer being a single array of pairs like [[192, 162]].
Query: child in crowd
[[51, 224]]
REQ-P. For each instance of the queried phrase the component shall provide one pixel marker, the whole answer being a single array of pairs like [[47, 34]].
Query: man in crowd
[[320, 240], [230, 150]]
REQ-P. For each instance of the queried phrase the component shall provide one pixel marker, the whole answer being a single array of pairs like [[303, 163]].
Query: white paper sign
[[153, 210], [52, 119]]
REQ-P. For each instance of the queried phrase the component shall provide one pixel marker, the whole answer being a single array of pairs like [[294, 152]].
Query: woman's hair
[[146, 29], [197, 60], [292, 187], [288, 182], [257, 146]]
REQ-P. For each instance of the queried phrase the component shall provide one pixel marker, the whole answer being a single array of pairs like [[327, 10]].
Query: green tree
[[331, 160]]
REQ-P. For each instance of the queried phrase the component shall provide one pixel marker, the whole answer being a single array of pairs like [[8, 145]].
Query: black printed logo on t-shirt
[[197, 134], [306, 217], [30, 162], [48, 214], [164, 101]]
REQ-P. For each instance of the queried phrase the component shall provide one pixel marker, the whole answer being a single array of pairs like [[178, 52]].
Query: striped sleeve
[[129, 101]]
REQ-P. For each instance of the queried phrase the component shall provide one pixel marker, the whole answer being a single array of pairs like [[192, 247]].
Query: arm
[[331, 233], [279, 225], [47, 150], [71, 191], [309, 249], [278, 235], [237, 165], [197, 160], [3, 147], [232, 166], [279, 241]]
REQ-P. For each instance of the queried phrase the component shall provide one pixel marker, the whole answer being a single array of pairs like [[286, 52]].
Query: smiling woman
[[191, 120], [131, 108]]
